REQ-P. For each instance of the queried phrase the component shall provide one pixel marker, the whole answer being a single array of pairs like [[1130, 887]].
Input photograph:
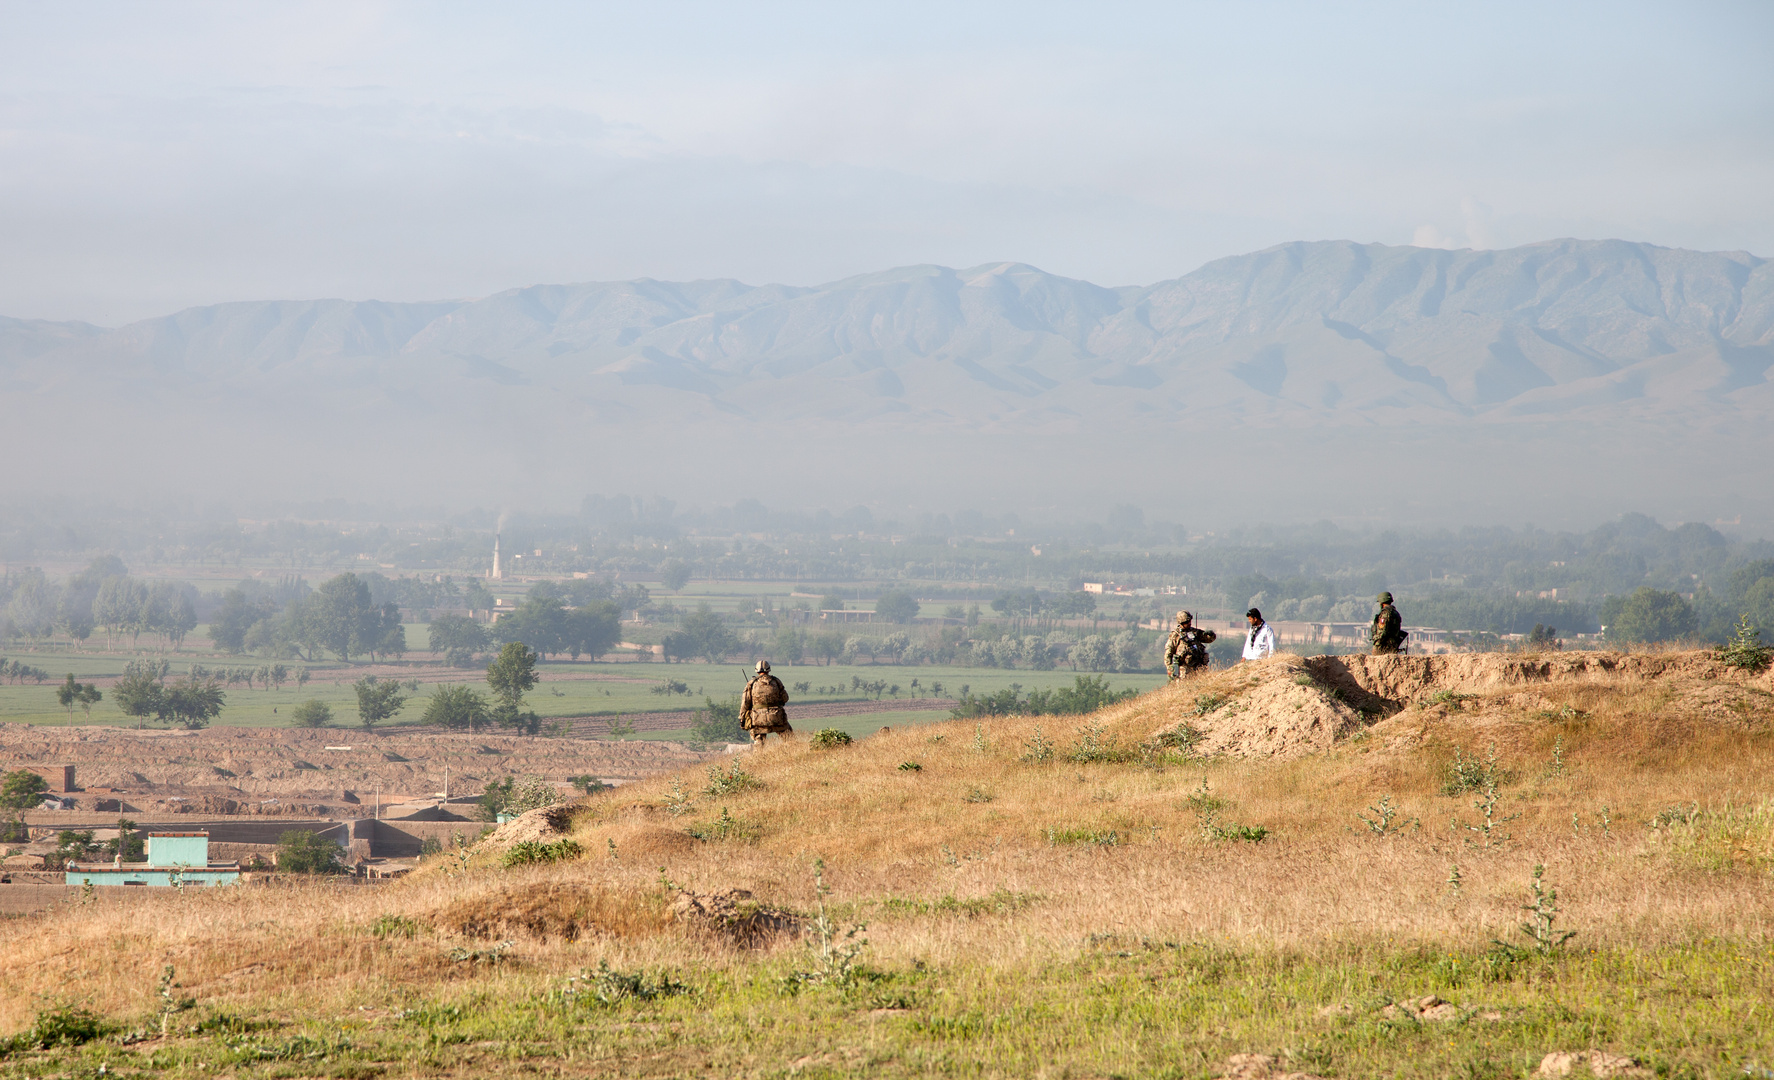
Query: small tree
[[511, 674], [139, 692], [896, 605], [68, 694], [456, 707], [674, 574], [376, 700], [22, 789], [718, 722], [458, 638], [129, 844], [313, 713], [517, 795], [1650, 615], [192, 702], [301, 851]]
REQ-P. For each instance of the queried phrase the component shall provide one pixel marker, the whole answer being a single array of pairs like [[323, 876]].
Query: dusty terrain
[[1318, 887], [292, 771]]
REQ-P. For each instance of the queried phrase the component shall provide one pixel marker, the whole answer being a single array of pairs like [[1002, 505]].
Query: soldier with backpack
[[1186, 651], [760, 707], [1387, 633]]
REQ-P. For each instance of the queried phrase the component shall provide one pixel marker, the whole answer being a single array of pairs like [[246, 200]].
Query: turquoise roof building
[[173, 859]]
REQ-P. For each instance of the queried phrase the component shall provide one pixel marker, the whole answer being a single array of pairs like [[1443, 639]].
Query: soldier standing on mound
[[1388, 631], [1186, 651], [760, 708]]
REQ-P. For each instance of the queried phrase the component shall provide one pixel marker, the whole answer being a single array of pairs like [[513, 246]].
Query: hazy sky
[[156, 156]]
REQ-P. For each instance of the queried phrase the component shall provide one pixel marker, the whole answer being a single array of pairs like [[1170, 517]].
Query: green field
[[568, 688]]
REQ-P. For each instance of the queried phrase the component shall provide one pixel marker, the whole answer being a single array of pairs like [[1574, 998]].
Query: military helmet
[[1184, 616], [763, 666], [1383, 598]]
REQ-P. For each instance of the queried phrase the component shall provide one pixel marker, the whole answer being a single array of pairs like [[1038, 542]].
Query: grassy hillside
[[1322, 847]]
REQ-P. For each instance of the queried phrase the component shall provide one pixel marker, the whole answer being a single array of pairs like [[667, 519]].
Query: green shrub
[[395, 926], [22, 789], [718, 722], [731, 782], [538, 852], [301, 851], [829, 738], [313, 713], [1470, 774], [610, 986], [1185, 738], [516, 795], [60, 1025], [1095, 745], [1097, 837], [725, 827], [1745, 649]]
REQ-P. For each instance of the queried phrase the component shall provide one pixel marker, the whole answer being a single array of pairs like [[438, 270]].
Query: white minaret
[[497, 573]]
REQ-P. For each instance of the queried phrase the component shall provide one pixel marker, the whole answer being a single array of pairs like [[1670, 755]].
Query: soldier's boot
[[757, 739]]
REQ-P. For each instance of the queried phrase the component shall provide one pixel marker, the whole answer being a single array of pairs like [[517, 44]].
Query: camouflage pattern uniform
[[760, 707], [1388, 630], [1186, 651]]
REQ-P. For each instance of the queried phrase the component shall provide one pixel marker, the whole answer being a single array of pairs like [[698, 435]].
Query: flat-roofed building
[[174, 858]]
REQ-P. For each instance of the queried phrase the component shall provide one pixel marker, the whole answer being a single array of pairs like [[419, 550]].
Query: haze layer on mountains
[[1557, 383], [157, 157]]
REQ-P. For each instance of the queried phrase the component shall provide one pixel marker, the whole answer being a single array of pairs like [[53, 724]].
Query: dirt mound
[[651, 842], [543, 824], [1277, 708], [1288, 706], [734, 916], [1403, 680], [551, 911]]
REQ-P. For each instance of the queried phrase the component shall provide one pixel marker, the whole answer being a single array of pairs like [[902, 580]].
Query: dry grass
[[980, 860]]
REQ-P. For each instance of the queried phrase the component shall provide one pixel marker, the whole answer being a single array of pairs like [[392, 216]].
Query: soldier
[[760, 708], [1186, 651], [1388, 632]]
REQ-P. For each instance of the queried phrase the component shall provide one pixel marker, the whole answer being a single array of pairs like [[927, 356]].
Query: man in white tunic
[[1260, 645]]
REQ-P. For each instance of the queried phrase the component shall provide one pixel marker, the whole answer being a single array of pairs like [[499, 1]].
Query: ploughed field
[[1334, 867], [331, 772]]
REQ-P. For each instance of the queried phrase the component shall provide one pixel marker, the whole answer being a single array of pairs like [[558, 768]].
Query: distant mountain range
[[989, 383]]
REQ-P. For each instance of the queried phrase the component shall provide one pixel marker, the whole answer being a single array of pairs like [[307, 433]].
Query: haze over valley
[[1280, 385]]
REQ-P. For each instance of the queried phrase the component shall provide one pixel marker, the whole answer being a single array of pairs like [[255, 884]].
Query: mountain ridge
[[1311, 336]]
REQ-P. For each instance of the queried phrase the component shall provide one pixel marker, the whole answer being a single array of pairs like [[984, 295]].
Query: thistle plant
[[1542, 913], [1381, 823], [835, 950], [677, 800], [170, 1002], [1489, 825]]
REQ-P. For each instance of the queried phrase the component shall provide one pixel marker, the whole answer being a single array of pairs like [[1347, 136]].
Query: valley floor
[[1331, 865]]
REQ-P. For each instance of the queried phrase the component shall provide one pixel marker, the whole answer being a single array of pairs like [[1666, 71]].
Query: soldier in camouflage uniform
[[760, 707], [1388, 630], [1186, 651]]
